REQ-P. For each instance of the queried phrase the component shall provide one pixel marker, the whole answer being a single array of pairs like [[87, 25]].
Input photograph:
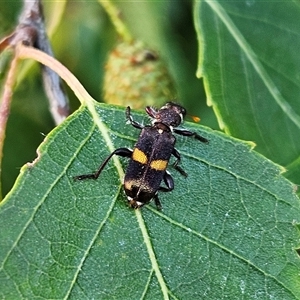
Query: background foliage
[[82, 41], [245, 220]]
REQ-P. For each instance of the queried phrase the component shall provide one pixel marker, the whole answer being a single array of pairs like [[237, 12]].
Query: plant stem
[[23, 52], [5, 107], [84, 97], [114, 15]]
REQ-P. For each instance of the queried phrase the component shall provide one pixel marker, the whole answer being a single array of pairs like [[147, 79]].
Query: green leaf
[[226, 231], [249, 58]]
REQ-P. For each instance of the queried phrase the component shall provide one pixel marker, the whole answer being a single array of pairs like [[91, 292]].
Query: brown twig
[[32, 17], [31, 31], [24, 52]]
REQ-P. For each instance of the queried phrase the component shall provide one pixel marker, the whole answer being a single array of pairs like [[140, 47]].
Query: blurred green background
[[82, 41]]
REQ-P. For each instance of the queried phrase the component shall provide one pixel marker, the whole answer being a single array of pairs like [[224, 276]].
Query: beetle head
[[171, 114]]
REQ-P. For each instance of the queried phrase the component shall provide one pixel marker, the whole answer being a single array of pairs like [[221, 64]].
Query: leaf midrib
[[108, 141]]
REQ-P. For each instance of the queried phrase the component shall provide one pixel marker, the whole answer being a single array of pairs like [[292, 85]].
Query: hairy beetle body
[[151, 154]]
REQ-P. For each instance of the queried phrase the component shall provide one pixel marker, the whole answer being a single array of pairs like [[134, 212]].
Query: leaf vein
[[237, 35]]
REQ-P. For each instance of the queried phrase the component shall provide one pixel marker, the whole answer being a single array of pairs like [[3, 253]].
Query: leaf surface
[[226, 231], [249, 59]]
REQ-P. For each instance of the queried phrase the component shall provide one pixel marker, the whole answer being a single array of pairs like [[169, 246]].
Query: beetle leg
[[130, 119], [175, 165], [170, 186], [169, 183], [157, 202], [124, 152], [185, 132]]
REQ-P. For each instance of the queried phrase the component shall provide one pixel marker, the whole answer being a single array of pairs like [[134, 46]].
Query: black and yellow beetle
[[151, 154]]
